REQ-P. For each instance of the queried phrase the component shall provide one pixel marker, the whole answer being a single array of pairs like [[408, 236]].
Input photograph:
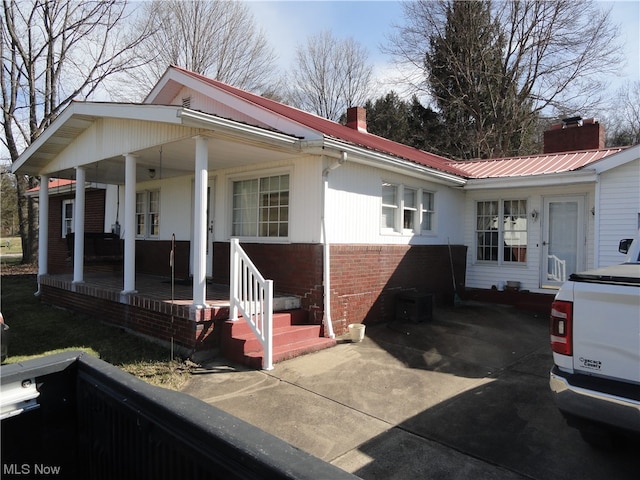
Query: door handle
[[545, 243]]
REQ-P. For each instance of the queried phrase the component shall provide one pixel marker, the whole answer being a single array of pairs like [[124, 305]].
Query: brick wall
[[152, 258], [140, 317], [295, 269], [364, 278], [59, 261]]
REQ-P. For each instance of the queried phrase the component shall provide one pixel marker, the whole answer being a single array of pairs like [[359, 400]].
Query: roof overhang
[[546, 180], [77, 118], [233, 139], [333, 148], [625, 156]]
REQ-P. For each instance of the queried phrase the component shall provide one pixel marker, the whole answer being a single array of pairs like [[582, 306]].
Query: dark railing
[[91, 420]]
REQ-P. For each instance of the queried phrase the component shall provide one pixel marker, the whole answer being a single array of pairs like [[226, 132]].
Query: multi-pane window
[[389, 205], [67, 217], [409, 209], [501, 231], [406, 210], [427, 212], [515, 230], [261, 207], [148, 214]]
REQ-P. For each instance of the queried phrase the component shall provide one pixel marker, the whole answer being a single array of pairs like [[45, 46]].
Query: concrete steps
[[292, 337]]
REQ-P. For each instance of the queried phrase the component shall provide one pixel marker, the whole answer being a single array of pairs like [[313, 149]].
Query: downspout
[[326, 271]]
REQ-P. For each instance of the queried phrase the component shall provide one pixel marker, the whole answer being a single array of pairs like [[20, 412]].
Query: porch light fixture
[[534, 215], [152, 173]]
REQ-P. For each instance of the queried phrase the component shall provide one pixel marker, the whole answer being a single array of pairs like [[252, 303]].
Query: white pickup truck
[[595, 338]]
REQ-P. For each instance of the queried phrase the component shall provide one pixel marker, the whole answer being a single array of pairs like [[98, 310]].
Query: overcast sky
[[289, 23]]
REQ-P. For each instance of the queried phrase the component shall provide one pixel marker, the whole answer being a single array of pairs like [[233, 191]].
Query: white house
[[335, 216]]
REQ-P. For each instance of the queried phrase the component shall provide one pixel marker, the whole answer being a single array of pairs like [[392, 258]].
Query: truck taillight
[[561, 327]]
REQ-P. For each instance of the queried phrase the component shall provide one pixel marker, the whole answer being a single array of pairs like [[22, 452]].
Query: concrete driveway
[[463, 396]]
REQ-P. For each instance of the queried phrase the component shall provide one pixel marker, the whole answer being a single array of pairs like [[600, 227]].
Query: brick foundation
[[192, 330], [365, 279]]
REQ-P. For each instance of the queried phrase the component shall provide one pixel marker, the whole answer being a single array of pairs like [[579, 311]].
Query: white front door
[[563, 239]]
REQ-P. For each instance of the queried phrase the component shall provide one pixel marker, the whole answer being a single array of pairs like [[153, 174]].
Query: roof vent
[[186, 102]]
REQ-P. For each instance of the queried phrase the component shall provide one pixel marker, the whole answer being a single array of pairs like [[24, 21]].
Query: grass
[[11, 245], [37, 329]]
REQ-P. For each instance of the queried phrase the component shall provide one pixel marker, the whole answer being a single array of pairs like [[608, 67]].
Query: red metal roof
[[54, 183], [338, 131], [533, 164]]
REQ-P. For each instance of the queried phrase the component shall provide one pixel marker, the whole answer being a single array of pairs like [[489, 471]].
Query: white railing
[[252, 296], [558, 269]]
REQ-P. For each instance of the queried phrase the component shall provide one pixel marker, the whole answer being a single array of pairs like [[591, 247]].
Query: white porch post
[[200, 222], [43, 230], [129, 224], [78, 220]]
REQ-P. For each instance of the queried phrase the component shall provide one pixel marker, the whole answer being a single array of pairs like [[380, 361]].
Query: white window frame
[[401, 209], [391, 208], [427, 212], [257, 219], [66, 219], [497, 226], [148, 215]]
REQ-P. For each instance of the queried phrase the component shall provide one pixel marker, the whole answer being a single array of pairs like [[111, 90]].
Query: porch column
[[78, 221], [43, 230], [129, 224], [200, 222]]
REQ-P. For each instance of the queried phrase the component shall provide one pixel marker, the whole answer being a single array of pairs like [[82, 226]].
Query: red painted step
[[292, 337]]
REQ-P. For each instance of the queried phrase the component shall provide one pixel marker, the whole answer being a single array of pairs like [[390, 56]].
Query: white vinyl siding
[[619, 210]]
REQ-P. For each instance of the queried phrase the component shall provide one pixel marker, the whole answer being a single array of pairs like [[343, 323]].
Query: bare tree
[[556, 54], [623, 121], [214, 38], [330, 75], [52, 53]]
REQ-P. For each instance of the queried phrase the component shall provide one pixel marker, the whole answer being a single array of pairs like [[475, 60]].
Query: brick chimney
[[574, 134], [357, 118]]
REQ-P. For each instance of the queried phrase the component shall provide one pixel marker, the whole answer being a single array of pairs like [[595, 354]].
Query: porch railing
[[252, 296], [558, 270]]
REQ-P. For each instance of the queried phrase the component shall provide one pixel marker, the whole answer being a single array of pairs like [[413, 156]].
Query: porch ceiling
[[84, 135], [177, 158]]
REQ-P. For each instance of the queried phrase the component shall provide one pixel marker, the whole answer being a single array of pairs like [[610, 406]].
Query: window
[[261, 207], [67, 217], [501, 231], [405, 209], [409, 209], [427, 212], [389, 205], [515, 231], [148, 214]]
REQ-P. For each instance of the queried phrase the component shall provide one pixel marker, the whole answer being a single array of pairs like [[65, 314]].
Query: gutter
[[193, 118], [333, 148]]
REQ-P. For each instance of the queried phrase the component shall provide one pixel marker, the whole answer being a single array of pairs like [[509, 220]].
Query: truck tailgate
[[606, 330]]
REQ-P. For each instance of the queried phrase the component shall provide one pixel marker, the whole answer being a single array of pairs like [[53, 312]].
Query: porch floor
[[153, 287]]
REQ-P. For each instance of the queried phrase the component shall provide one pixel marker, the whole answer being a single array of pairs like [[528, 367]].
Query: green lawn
[[11, 245], [37, 329]]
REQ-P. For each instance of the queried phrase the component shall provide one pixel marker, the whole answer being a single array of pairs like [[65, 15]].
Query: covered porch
[[160, 309]]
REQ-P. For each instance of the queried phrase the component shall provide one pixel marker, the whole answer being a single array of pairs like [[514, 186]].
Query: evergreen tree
[[405, 122], [466, 78]]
